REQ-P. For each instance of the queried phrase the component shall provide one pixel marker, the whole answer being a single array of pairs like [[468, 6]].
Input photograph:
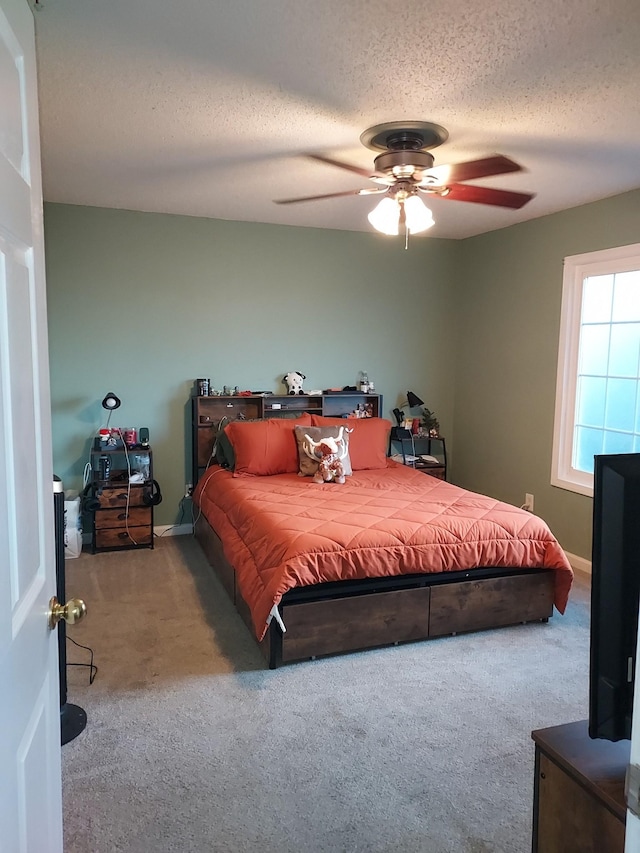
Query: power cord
[[93, 669], [128, 501], [87, 477], [219, 427], [204, 488], [180, 519]]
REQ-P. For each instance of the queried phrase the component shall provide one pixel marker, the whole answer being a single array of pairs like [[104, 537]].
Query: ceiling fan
[[405, 169]]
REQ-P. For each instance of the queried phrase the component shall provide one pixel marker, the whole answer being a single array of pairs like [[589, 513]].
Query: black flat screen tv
[[615, 594]]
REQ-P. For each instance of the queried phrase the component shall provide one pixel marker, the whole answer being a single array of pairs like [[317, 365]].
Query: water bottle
[[364, 382]]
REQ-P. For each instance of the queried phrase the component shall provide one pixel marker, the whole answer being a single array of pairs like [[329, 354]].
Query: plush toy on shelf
[[293, 381]]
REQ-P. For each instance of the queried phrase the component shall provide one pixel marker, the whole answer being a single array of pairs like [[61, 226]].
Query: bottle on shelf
[[364, 382]]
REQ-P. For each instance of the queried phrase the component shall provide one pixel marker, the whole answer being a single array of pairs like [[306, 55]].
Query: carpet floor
[[192, 745]]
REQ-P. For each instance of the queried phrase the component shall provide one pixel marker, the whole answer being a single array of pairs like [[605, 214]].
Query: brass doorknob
[[71, 612]]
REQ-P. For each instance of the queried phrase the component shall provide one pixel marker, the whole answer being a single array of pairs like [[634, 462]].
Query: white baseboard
[[579, 564], [173, 529]]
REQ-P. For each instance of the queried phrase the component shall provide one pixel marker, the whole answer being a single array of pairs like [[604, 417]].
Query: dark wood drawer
[[326, 627], [117, 496], [569, 819], [122, 517], [115, 537], [437, 472], [490, 602]]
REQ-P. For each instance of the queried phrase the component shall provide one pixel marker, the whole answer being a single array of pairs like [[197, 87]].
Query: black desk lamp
[[413, 401], [110, 403]]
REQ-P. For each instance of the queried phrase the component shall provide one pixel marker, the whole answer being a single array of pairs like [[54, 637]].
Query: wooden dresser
[[578, 798], [120, 499]]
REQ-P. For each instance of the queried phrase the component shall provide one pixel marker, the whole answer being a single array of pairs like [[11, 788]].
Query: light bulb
[[418, 215], [385, 216]]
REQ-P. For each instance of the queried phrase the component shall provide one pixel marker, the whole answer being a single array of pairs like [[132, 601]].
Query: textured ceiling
[[202, 107]]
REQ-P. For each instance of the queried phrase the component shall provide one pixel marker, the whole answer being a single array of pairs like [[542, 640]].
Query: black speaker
[[73, 718], [152, 495], [90, 501], [143, 436]]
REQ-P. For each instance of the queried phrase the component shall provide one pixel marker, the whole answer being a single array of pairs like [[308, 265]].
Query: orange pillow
[[265, 447], [368, 443]]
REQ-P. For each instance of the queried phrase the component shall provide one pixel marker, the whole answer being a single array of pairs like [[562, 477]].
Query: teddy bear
[[293, 381], [328, 451]]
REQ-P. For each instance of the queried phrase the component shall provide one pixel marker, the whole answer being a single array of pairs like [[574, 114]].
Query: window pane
[[626, 296], [618, 442], [637, 424], [597, 296], [598, 389], [594, 350], [620, 408], [588, 443], [591, 399], [625, 350]]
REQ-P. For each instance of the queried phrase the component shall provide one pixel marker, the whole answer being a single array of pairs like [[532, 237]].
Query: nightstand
[[120, 501], [412, 448]]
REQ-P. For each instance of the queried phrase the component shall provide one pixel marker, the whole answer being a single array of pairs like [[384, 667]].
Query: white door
[[30, 786]]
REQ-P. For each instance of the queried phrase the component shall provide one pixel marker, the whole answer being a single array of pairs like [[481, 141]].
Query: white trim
[[632, 833], [173, 530], [579, 564], [576, 269]]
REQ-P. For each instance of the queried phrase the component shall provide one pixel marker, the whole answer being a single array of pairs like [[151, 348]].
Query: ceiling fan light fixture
[[405, 167], [385, 216], [418, 216]]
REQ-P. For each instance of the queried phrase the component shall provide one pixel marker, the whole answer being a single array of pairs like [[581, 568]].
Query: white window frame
[[576, 269]]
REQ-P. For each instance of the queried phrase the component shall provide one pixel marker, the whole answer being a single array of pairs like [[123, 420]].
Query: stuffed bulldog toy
[[294, 381], [329, 453]]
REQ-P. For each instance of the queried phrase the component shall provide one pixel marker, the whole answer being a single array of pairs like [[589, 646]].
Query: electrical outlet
[[188, 490], [528, 503]]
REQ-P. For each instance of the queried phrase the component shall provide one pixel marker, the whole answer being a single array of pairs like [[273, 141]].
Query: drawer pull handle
[[123, 515], [123, 535]]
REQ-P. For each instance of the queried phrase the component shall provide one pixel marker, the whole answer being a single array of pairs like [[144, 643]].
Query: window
[[598, 384]]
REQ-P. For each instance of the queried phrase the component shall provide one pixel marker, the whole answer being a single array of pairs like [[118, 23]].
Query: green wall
[[508, 318], [142, 304]]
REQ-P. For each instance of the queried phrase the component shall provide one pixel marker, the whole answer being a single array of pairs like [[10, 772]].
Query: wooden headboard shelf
[[207, 412]]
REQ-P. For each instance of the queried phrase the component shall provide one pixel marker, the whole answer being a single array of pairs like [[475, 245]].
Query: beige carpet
[[193, 745]]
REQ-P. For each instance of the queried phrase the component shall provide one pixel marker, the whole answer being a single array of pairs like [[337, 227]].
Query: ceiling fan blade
[[365, 173], [486, 195], [367, 191], [472, 169]]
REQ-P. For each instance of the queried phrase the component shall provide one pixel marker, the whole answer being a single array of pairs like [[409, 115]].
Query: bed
[[391, 556]]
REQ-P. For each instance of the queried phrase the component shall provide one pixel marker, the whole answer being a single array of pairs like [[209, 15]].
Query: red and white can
[[130, 436]]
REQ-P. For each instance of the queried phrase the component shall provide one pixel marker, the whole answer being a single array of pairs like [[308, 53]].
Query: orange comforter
[[283, 531]]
